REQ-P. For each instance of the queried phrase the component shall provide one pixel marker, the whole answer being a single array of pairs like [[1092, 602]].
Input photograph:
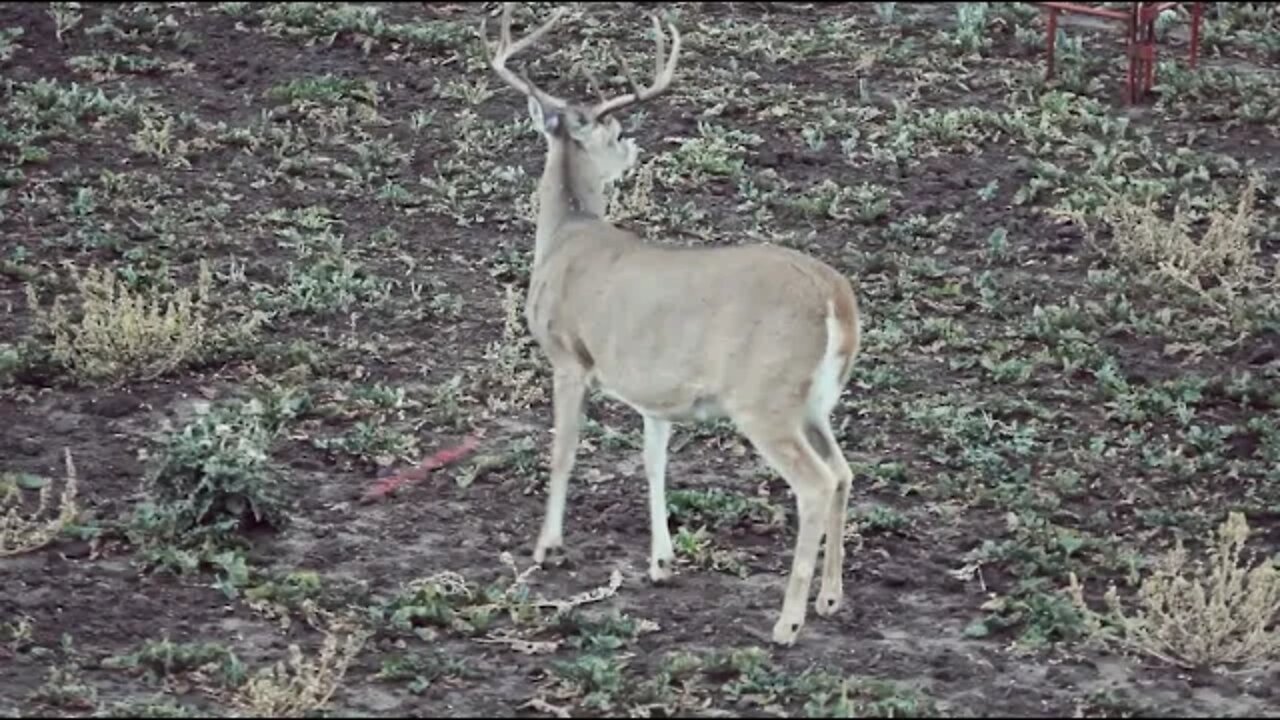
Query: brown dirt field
[[1030, 403]]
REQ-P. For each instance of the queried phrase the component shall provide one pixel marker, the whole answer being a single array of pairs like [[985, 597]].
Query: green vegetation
[[257, 257]]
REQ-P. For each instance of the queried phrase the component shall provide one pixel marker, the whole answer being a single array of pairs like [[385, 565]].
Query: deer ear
[[546, 120]]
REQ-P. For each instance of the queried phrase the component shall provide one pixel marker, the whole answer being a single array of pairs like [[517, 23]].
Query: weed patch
[[114, 332], [164, 658], [302, 684], [1221, 261], [215, 476], [1197, 616], [21, 531]]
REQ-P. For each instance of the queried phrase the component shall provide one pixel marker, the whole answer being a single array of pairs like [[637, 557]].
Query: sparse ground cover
[[254, 257]]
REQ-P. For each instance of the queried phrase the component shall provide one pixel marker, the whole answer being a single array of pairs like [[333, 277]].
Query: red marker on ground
[[388, 485]]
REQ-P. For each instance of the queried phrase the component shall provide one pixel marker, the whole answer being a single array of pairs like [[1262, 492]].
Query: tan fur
[[761, 334], [666, 326]]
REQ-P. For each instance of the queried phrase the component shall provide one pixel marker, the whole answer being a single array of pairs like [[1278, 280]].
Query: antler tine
[[661, 40], [662, 74], [626, 74], [591, 80], [506, 49]]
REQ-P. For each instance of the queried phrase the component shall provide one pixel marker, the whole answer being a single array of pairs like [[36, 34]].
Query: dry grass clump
[[116, 332], [1196, 616], [301, 685], [22, 532], [1224, 257], [636, 201], [513, 361]]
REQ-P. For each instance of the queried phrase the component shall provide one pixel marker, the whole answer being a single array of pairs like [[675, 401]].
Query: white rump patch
[[825, 390]]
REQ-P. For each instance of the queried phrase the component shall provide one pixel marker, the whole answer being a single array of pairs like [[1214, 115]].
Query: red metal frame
[[1140, 27]]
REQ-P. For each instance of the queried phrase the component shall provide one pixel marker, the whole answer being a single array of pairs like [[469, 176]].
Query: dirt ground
[[1038, 397]]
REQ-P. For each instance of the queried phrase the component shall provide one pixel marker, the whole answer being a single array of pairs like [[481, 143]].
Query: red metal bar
[[1139, 21], [1197, 12], [1051, 40], [1080, 9], [1131, 41], [1149, 52]]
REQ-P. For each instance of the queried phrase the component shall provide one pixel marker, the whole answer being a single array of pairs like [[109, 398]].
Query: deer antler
[[506, 49], [662, 75]]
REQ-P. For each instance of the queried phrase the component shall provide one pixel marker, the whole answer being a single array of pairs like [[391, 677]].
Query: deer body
[[763, 335], [662, 329]]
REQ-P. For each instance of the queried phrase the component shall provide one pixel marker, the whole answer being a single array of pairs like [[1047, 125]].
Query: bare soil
[[910, 606]]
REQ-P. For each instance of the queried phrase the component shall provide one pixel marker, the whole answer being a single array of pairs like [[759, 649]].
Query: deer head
[[590, 132]]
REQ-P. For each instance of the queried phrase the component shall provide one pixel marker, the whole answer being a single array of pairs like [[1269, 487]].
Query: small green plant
[[598, 633], [373, 441], [717, 151], [423, 670], [326, 89], [66, 16], [886, 11], [157, 707], [446, 600], [721, 507], [215, 474], [521, 457], [998, 245], [66, 687], [163, 658], [597, 677], [880, 518], [326, 285], [971, 27], [9, 42], [697, 547]]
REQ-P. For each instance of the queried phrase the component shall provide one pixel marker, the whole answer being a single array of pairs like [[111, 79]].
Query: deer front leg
[[568, 388], [657, 434]]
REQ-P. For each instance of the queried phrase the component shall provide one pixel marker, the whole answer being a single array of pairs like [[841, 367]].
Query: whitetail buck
[[761, 334]]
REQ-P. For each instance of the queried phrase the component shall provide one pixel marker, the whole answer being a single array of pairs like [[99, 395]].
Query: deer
[[763, 335]]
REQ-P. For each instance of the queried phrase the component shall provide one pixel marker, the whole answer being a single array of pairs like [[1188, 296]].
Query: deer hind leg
[[831, 594], [657, 434], [790, 453], [568, 389]]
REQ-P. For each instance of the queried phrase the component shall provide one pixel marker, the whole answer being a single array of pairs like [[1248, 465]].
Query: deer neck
[[564, 193]]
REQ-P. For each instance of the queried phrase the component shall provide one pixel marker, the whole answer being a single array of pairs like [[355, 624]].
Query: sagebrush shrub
[[1197, 614], [113, 332]]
